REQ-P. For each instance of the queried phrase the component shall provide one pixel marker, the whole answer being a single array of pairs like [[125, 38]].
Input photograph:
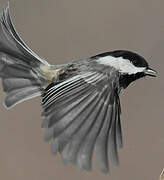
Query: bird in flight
[[80, 100]]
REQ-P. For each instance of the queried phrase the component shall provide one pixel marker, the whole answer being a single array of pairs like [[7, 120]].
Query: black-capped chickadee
[[81, 105]]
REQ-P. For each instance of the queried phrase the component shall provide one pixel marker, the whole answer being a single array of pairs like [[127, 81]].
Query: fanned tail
[[21, 70]]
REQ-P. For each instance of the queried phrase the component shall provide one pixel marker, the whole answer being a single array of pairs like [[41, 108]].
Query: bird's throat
[[126, 79]]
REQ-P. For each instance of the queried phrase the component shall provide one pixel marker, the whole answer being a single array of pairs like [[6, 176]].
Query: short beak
[[151, 72]]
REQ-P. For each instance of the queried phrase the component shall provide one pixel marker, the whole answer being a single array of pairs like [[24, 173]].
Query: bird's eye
[[135, 62]]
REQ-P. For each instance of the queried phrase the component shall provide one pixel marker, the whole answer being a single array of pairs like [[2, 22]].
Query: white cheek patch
[[123, 65]]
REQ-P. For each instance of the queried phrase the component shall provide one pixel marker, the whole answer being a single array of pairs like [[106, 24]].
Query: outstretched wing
[[82, 114]]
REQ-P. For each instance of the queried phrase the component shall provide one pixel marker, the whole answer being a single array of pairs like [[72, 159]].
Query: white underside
[[123, 65]]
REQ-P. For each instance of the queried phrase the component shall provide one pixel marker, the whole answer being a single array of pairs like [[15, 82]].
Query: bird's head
[[130, 65]]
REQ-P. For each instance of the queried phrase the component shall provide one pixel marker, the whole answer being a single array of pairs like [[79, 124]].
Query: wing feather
[[73, 129], [71, 113], [118, 127], [68, 103], [82, 114], [101, 142], [85, 151], [101, 147], [112, 143], [77, 139]]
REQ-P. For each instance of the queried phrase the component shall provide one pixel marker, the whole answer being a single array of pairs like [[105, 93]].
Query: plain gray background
[[63, 30]]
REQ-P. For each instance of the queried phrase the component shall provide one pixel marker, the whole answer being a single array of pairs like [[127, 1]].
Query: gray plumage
[[78, 111], [19, 66], [80, 100]]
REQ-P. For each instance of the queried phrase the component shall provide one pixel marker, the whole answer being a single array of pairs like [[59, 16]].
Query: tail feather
[[10, 84], [13, 45], [19, 95], [14, 70], [20, 68]]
